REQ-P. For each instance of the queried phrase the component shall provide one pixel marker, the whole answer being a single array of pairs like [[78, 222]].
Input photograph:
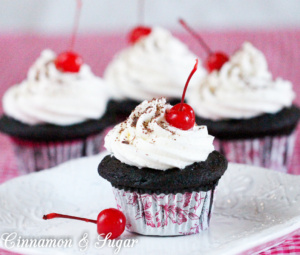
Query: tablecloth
[[18, 52]]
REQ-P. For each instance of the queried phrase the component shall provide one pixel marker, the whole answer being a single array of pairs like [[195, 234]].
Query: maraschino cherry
[[215, 60], [69, 61], [108, 221], [140, 31], [182, 115], [137, 33]]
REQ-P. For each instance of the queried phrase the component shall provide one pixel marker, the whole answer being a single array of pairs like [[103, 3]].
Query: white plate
[[254, 209]]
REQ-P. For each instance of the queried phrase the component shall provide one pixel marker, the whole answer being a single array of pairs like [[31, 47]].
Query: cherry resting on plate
[[182, 115], [137, 33], [108, 221], [215, 60]]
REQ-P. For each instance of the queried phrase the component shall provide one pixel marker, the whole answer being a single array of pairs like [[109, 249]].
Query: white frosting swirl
[[243, 88], [146, 139], [156, 65], [51, 96]]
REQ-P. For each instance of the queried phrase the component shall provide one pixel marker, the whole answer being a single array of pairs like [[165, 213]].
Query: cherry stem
[[141, 11], [76, 24], [187, 83], [198, 37], [57, 215]]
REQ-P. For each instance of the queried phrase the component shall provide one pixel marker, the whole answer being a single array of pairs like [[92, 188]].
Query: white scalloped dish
[[254, 209]]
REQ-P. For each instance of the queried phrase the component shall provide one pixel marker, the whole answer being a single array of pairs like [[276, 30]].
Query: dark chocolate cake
[[200, 176], [50, 132], [282, 123]]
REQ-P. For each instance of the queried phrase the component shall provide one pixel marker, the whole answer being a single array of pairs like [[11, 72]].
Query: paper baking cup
[[269, 152], [35, 156], [165, 215]]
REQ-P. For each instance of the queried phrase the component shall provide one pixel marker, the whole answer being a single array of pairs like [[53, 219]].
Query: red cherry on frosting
[[108, 221], [182, 115], [68, 61], [138, 32], [215, 60]]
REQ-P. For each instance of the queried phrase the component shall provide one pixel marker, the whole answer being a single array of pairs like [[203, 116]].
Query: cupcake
[[249, 112], [55, 115], [155, 64], [163, 177]]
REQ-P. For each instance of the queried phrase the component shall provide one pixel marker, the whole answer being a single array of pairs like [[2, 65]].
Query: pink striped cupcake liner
[[269, 152], [165, 215], [36, 156]]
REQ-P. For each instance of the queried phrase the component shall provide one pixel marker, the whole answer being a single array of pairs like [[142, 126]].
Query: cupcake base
[[270, 152], [165, 203], [165, 214], [35, 156], [266, 140], [46, 145]]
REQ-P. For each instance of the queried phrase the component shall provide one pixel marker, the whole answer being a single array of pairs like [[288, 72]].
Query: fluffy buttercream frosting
[[146, 139], [156, 65], [243, 88], [51, 96]]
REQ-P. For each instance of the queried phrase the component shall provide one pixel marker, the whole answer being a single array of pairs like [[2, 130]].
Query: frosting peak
[[156, 65], [243, 88], [146, 139], [51, 96], [250, 64]]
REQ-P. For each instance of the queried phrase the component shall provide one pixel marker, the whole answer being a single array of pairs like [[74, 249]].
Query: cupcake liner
[[165, 215], [269, 152], [35, 156]]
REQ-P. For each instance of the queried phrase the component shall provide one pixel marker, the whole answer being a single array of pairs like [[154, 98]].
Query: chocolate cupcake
[[55, 115], [155, 64], [163, 177], [250, 114]]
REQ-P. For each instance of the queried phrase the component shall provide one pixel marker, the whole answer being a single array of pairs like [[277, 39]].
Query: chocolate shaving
[[37, 76], [164, 126], [134, 121], [158, 111], [146, 127]]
